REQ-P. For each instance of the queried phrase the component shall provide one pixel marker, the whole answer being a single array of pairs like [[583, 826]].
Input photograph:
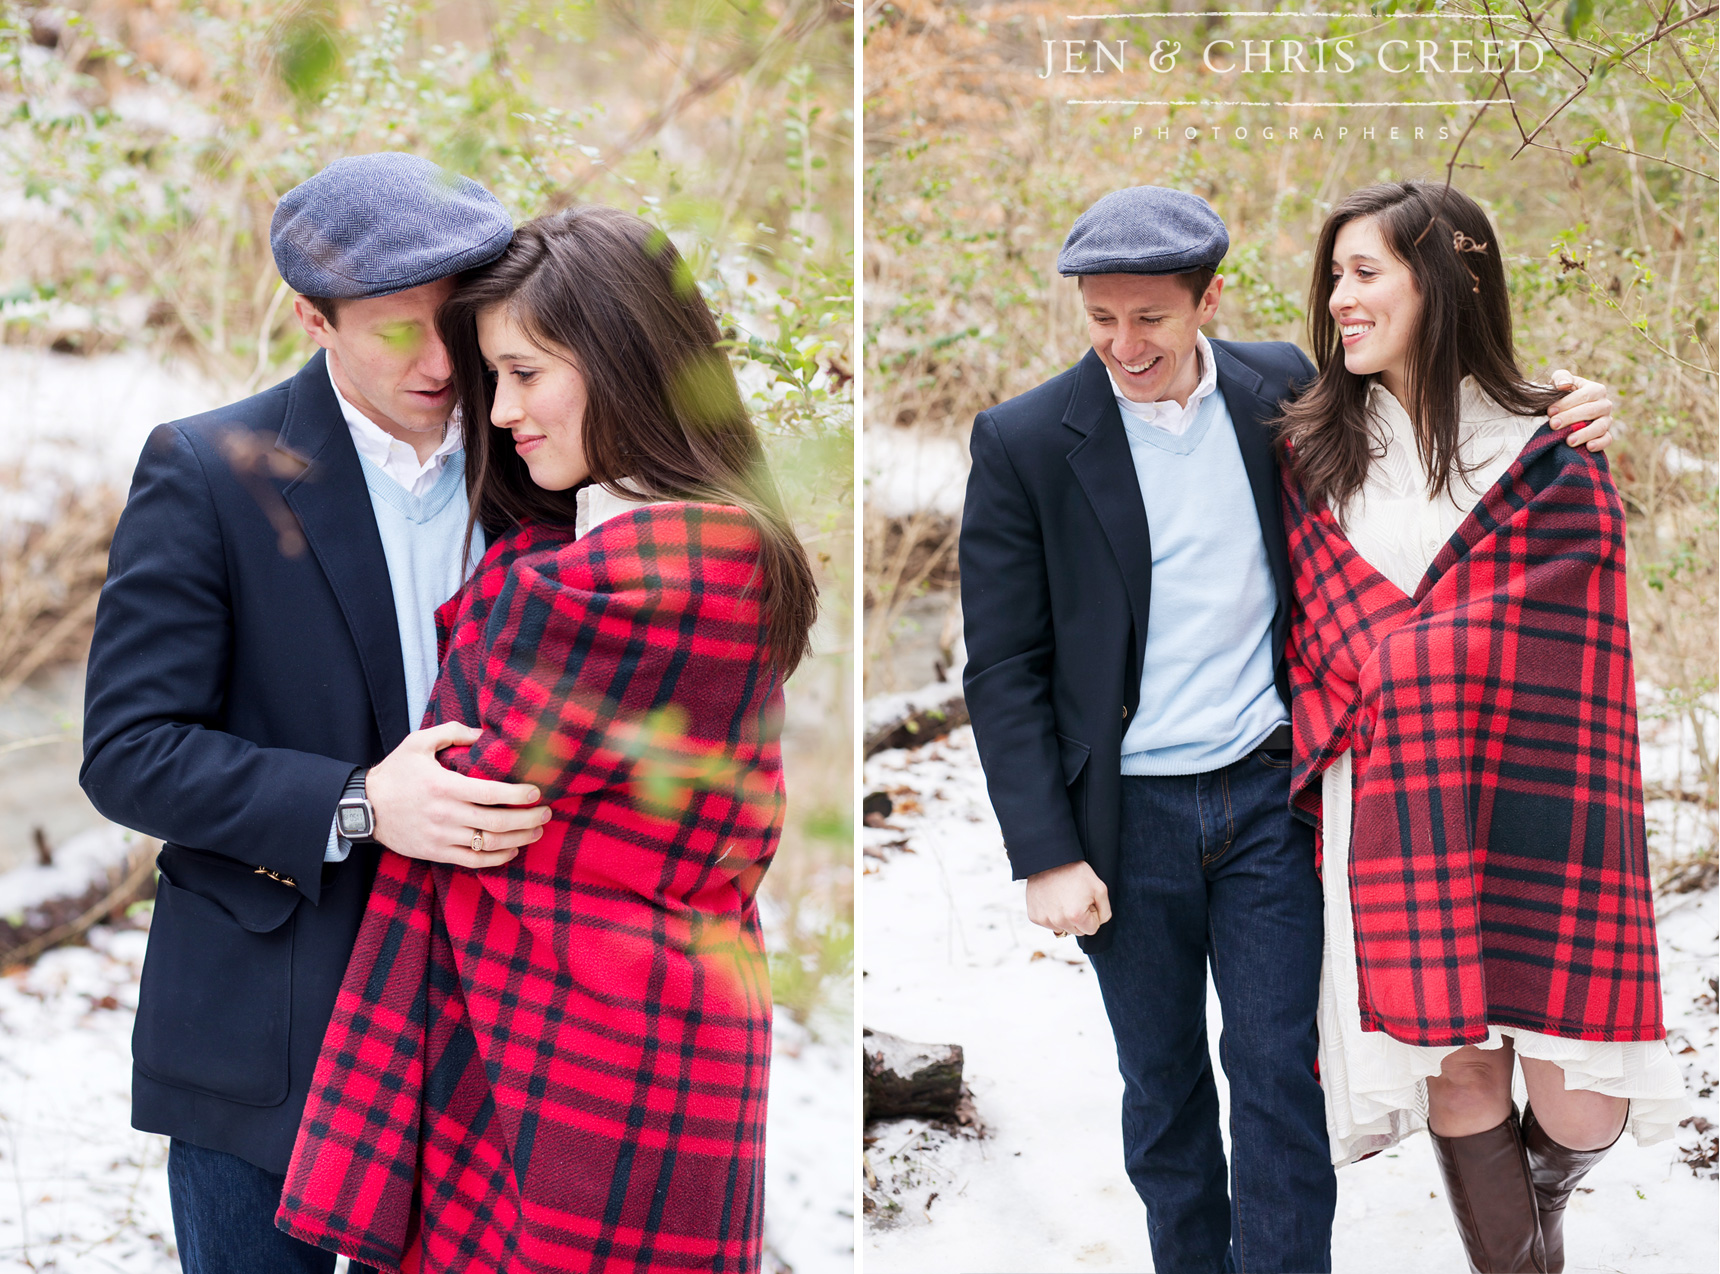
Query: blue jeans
[[1213, 868], [224, 1217]]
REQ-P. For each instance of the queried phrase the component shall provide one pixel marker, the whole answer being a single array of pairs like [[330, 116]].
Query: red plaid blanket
[[1498, 866], [560, 1064]]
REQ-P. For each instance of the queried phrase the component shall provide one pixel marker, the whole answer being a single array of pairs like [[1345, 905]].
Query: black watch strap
[[352, 795]]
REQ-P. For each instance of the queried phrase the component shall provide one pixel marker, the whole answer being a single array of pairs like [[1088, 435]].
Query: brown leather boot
[[1555, 1170], [1493, 1199]]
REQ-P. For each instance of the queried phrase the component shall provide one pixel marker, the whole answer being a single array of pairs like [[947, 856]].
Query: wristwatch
[[354, 818]]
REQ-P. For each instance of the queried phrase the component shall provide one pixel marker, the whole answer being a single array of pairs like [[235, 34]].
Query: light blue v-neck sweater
[[423, 541], [1207, 695]]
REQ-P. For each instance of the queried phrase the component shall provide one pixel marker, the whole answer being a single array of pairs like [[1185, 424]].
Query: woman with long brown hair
[[1465, 736], [561, 1062]]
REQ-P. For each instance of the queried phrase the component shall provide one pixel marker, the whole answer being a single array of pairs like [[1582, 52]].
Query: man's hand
[[1068, 899], [1587, 402], [426, 811]]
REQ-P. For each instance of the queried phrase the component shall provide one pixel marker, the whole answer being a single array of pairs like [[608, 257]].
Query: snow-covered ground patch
[[80, 1190], [949, 957], [75, 420], [809, 1154], [885, 710], [912, 471], [80, 864], [1682, 461]]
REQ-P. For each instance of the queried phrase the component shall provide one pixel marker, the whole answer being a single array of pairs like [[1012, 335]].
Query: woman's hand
[[1587, 406], [424, 810]]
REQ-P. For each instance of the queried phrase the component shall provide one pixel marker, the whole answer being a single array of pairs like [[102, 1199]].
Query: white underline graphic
[[1484, 101], [1254, 13]]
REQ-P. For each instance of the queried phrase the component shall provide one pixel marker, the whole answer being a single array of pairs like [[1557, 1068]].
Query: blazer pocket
[[1074, 756], [215, 1001], [257, 902]]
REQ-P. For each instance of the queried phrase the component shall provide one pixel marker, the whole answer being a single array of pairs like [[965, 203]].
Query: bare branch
[[1541, 127], [791, 29], [1653, 159], [1458, 149], [1661, 34], [1695, 79]]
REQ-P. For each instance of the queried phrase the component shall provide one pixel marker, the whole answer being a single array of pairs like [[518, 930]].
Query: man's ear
[[1209, 301], [314, 321]]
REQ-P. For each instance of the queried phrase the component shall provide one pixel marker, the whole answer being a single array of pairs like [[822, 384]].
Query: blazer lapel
[[1249, 413], [1106, 471], [333, 506]]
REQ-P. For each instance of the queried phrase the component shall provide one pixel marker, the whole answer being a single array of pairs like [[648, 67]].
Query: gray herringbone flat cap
[[370, 225], [1144, 230]]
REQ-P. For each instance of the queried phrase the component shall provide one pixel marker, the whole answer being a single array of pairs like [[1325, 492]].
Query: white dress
[[1375, 1086]]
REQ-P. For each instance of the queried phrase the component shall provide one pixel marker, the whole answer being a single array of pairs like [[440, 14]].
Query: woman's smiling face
[[1376, 304], [540, 399]]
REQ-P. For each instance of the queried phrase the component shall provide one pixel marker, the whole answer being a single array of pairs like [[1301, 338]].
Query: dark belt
[[1277, 741]]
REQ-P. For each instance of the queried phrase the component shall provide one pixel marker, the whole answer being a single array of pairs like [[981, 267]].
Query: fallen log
[[910, 720], [904, 1080], [71, 898]]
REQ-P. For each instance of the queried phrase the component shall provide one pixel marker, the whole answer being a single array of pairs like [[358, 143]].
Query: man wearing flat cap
[[264, 646], [1126, 592]]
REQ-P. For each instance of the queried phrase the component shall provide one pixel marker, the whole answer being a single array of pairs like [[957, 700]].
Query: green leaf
[[1677, 114], [1577, 14], [308, 57]]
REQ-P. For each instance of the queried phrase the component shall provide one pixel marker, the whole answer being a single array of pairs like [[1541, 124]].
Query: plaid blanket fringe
[[561, 1063], [1498, 858]]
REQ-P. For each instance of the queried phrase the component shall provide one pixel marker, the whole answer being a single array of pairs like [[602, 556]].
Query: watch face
[[353, 821]]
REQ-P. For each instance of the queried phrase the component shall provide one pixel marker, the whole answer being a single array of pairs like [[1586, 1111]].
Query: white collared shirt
[[595, 504], [1166, 414], [395, 458]]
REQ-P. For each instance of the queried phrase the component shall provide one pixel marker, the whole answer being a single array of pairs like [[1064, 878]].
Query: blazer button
[[1125, 712]]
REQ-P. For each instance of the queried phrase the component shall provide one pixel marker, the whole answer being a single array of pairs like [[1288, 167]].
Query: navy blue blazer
[[246, 658], [1056, 579]]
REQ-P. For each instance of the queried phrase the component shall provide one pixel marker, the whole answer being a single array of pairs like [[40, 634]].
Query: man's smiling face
[[1143, 326]]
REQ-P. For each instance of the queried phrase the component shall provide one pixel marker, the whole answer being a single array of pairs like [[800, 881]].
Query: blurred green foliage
[[308, 54], [807, 979]]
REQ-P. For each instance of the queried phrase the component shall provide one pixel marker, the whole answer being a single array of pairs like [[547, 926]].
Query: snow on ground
[[809, 1156], [70, 419], [912, 471], [41, 728], [78, 865], [949, 957], [80, 1190], [887, 709]]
